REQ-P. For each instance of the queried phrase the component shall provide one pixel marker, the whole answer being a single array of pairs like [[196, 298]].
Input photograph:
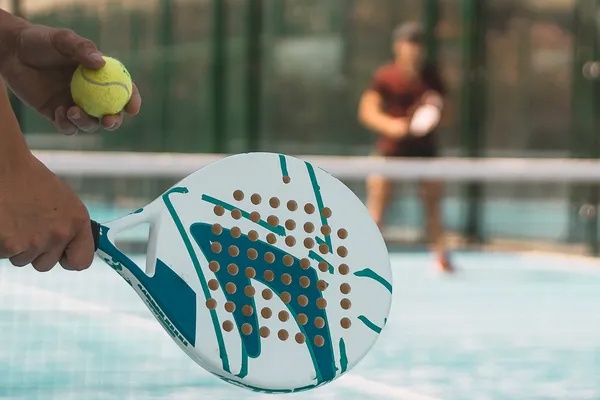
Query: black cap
[[409, 31]]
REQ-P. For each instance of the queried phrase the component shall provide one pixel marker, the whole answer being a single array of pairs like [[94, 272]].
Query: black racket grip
[[96, 234]]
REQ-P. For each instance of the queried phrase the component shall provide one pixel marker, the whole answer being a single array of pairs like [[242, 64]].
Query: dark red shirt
[[401, 95]]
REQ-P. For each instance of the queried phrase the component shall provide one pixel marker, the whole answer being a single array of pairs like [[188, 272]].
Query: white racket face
[[267, 271]]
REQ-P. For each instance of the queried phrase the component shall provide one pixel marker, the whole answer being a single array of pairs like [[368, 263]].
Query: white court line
[[361, 384], [49, 300]]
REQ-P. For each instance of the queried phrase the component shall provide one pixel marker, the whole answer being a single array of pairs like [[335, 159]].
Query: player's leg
[[431, 194], [378, 196]]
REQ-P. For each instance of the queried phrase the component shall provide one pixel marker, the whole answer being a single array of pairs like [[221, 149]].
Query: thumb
[[77, 48]]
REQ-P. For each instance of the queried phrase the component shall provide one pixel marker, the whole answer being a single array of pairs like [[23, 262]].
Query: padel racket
[[268, 272]]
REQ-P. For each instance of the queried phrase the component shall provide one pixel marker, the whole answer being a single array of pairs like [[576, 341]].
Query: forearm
[[12, 142]]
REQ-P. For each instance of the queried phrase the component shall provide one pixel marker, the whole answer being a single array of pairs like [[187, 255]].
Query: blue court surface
[[508, 326]]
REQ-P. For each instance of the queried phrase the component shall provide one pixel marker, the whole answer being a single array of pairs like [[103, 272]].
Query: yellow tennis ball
[[101, 92]]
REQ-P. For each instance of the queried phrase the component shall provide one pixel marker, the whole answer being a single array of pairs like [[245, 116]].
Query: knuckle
[[10, 247], [61, 233]]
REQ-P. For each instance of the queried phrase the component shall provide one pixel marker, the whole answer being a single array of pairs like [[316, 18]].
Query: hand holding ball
[[101, 92]]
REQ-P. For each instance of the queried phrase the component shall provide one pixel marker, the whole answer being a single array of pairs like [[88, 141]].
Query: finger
[[112, 122], [46, 261], [24, 258], [79, 253], [81, 120], [62, 123], [82, 50], [135, 103]]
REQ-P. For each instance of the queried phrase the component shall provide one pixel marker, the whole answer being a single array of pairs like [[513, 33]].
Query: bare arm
[[372, 117], [12, 142]]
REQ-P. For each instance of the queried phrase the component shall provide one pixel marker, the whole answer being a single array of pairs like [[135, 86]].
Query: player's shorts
[[418, 147]]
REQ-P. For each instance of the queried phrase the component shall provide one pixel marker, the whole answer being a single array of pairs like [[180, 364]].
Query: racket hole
[[304, 282], [326, 212], [269, 257], [345, 304], [309, 227], [235, 232], [249, 291], [326, 230], [290, 241], [345, 288], [302, 300], [285, 297], [253, 235], [286, 279], [230, 288], [267, 294], [300, 338], [286, 179], [309, 243], [246, 329], [269, 276], [302, 319], [255, 199], [319, 341], [319, 322], [271, 238], [219, 211], [213, 284], [342, 251], [322, 285], [288, 260], [236, 214], [305, 263], [217, 229], [238, 195], [216, 247], [274, 202], [283, 335], [234, 251], [345, 323], [292, 205], [214, 266], [250, 272], [309, 208], [272, 220], [323, 248], [247, 310], [344, 269], [230, 306], [255, 216], [342, 233], [211, 304], [264, 332], [227, 326], [252, 254], [283, 316], [290, 224], [266, 313], [321, 303], [233, 269], [323, 266]]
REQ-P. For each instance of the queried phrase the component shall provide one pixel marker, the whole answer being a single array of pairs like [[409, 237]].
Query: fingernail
[[96, 57], [76, 115]]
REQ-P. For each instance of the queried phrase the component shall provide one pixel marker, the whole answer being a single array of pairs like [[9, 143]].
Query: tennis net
[[513, 203]]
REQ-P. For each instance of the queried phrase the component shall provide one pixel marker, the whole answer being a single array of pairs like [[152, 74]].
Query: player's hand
[[38, 69], [43, 222], [396, 128]]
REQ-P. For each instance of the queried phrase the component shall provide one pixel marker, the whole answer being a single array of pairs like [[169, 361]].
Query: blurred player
[[403, 106]]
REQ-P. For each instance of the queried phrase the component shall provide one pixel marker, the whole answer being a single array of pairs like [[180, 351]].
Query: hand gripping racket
[[266, 271]]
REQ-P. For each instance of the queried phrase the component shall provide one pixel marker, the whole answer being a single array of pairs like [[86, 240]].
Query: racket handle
[[95, 234]]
